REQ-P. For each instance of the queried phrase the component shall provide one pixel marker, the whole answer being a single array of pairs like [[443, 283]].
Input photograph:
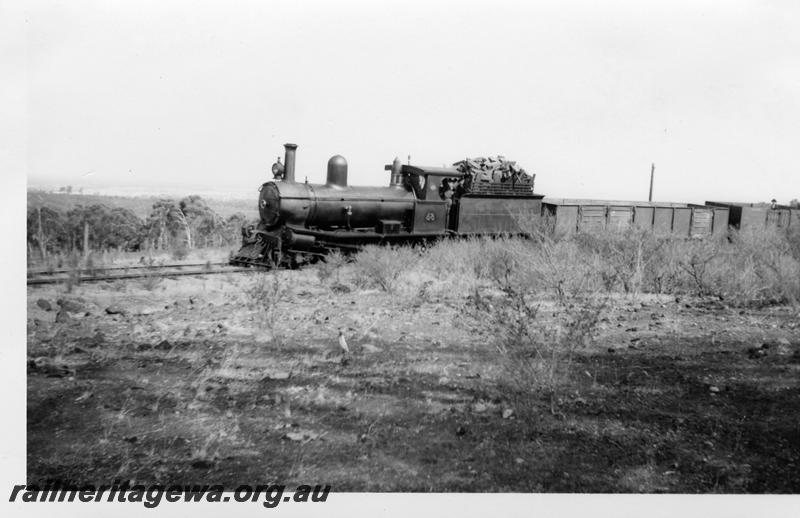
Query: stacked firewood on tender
[[493, 170]]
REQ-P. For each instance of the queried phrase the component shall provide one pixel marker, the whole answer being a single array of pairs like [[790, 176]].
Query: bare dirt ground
[[185, 382]]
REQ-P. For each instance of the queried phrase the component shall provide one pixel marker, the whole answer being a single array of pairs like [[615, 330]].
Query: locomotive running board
[[330, 236]]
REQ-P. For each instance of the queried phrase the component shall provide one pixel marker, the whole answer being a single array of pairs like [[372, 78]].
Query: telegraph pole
[[652, 172], [85, 239]]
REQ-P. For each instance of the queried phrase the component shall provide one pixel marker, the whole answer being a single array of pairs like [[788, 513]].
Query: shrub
[[792, 236], [761, 267], [453, 257], [179, 252], [382, 266], [536, 354], [744, 268], [264, 293], [662, 273], [701, 266], [151, 277], [329, 269], [560, 268], [624, 256]]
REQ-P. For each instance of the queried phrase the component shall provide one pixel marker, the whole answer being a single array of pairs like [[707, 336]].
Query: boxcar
[[755, 216], [677, 219]]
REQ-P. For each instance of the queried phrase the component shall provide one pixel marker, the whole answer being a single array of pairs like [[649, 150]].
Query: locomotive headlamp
[[277, 169]]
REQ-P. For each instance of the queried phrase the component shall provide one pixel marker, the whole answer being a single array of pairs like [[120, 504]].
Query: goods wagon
[[755, 216], [677, 219]]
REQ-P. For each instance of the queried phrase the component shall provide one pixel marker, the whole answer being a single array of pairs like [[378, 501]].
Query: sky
[[199, 96]]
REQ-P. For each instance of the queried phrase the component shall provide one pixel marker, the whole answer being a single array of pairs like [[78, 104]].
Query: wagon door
[[591, 218], [619, 218], [701, 222]]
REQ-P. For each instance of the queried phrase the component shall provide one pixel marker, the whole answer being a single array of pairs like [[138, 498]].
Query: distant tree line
[[185, 224]]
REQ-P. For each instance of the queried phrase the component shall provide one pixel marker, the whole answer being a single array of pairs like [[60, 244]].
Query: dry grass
[[264, 293], [382, 267], [745, 268], [329, 269], [507, 279]]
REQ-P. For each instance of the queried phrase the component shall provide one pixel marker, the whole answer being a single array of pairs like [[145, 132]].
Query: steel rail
[[156, 272], [32, 273]]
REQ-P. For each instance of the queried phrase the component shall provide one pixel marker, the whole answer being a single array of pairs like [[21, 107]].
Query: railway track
[[39, 277]]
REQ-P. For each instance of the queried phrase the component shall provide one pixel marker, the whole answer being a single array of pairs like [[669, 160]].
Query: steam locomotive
[[301, 222]]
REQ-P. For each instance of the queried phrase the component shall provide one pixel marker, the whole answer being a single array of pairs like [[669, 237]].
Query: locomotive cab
[[434, 188]]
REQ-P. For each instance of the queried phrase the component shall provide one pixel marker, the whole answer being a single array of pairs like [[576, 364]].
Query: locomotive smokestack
[[337, 171], [288, 162], [397, 173]]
